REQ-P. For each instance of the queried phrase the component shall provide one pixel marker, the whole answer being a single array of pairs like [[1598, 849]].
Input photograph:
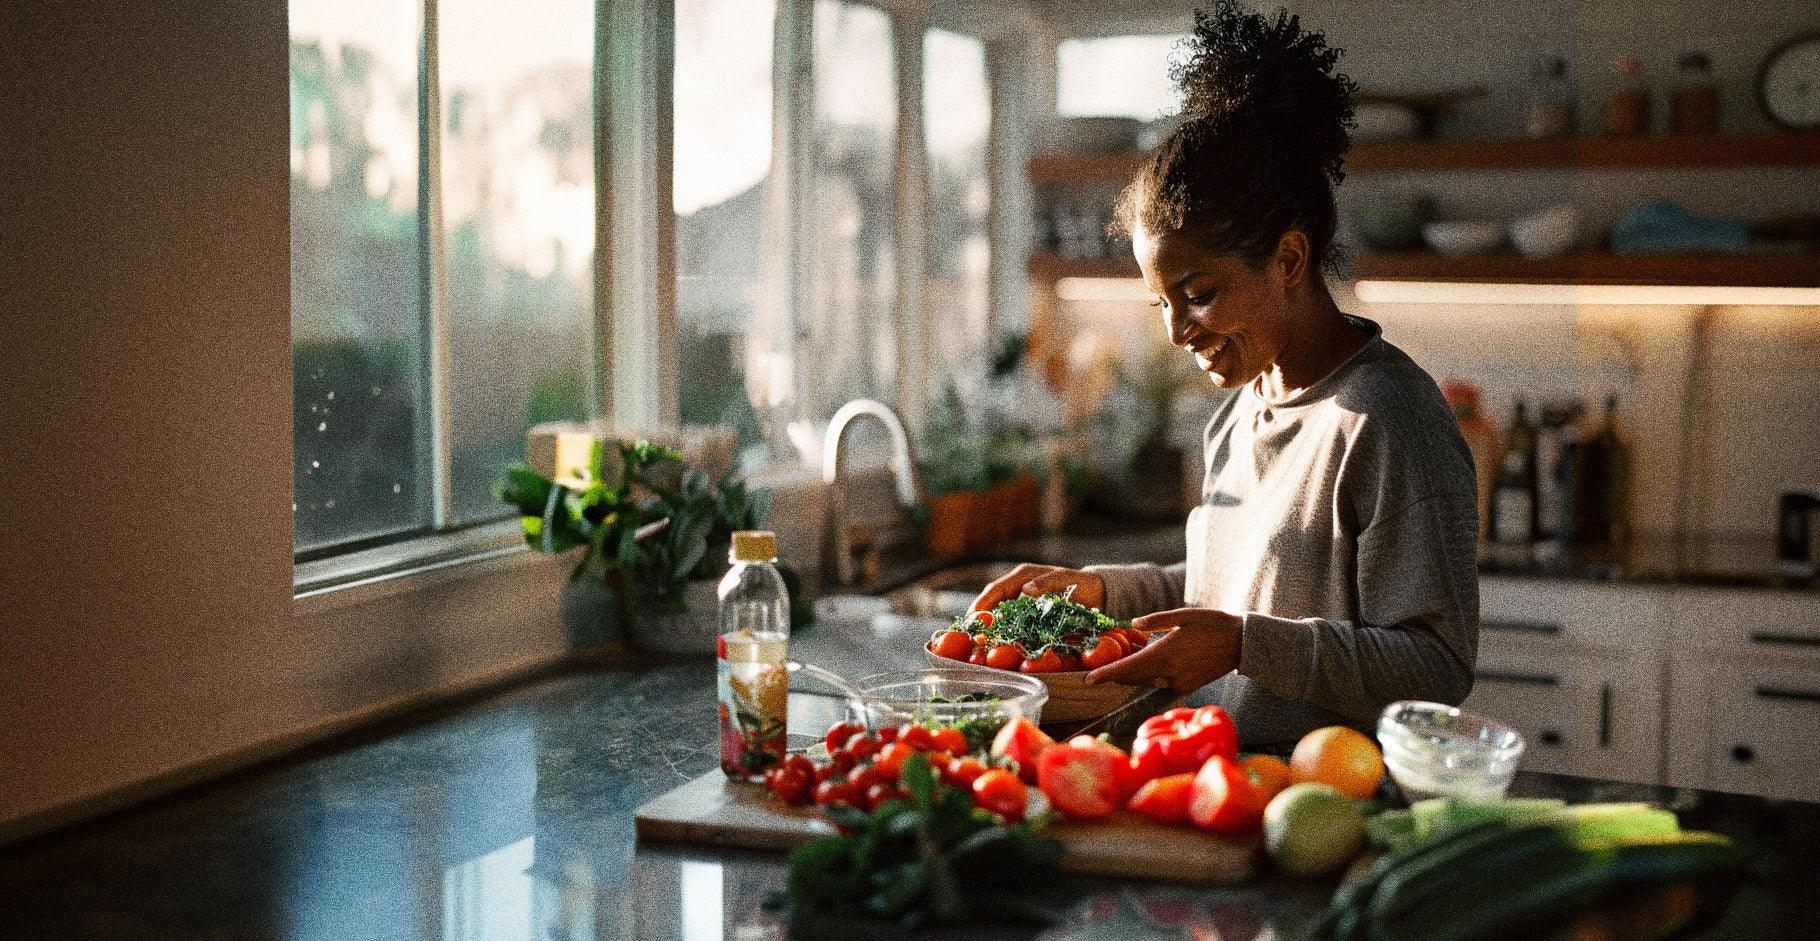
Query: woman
[[1330, 566]]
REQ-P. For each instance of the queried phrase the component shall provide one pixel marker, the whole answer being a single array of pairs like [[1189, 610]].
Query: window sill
[[408, 566]]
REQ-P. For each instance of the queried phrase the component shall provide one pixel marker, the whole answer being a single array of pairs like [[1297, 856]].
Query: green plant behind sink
[[631, 486]]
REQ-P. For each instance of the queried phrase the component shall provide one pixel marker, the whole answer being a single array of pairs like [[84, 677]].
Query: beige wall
[[145, 552]]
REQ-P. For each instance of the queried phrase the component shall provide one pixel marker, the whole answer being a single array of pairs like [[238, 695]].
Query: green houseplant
[[648, 524]]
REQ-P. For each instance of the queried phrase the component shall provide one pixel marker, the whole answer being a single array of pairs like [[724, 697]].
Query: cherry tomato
[[839, 733], [1165, 799], [865, 776], [891, 759], [1118, 637], [1000, 792], [1103, 653], [879, 793], [962, 772], [984, 618], [1046, 662], [838, 791], [953, 741], [981, 640], [860, 747], [978, 658], [917, 737], [1005, 657], [824, 772], [1223, 799], [791, 782], [1081, 780], [1021, 741], [1136, 638], [954, 645], [1074, 638], [1071, 662], [842, 760], [887, 735]]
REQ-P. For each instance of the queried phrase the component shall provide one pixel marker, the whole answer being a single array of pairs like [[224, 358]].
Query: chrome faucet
[[846, 537]]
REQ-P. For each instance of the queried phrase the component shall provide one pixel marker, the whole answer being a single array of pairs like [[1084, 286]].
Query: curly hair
[[1265, 126]]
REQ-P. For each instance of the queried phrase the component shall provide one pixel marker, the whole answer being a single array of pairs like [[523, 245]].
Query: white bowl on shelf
[[1547, 233], [1463, 238]]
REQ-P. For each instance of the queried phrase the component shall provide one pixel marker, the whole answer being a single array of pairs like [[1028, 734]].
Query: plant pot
[[689, 633], [951, 520], [998, 512]]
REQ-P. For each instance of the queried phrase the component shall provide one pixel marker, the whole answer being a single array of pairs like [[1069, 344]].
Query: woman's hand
[[1203, 647], [1034, 580]]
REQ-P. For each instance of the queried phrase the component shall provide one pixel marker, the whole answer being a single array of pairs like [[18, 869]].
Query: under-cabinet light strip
[[1476, 292]]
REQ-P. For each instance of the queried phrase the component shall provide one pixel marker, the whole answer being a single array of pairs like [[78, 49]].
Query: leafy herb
[[979, 729], [1048, 621], [930, 858]]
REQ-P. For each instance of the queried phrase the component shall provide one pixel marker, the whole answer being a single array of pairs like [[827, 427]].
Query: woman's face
[[1232, 317]]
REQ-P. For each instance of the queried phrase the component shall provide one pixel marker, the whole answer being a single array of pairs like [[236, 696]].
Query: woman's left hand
[[1203, 647]]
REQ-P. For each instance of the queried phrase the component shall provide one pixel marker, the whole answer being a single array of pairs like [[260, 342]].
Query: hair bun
[[1265, 77]]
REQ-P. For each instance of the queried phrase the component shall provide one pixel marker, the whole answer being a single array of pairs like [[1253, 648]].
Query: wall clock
[[1788, 84]]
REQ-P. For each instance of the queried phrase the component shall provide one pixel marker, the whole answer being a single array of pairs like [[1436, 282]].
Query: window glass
[[358, 423], [848, 342], [732, 347], [517, 177], [1124, 76], [957, 118]]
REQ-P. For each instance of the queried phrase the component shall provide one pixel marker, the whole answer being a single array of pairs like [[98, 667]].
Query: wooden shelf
[[1708, 270], [1799, 148], [1715, 270]]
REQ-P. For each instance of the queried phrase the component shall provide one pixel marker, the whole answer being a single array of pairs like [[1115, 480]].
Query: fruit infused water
[[754, 684]]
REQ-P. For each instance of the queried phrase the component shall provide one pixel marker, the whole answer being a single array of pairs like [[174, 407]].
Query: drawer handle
[[1549, 737], [1796, 695], [1520, 627], [1743, 754], [1604, 715], [1792, 640], [1521, 679]]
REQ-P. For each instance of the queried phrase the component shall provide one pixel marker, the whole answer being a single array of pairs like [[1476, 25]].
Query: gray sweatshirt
[[1341, 523]]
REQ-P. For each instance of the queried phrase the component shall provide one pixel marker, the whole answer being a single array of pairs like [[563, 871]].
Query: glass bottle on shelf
[[1627, 110], [1696, 101], [1513, 502], [1550, 110], [754, 684]]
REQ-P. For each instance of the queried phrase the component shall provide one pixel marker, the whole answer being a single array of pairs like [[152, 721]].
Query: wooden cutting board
[[719, 812]]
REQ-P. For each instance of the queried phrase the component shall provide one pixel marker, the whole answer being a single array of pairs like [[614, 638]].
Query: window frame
[[635, 272]]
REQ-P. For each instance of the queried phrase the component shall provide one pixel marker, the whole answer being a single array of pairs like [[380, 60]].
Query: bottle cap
[[754, 545]]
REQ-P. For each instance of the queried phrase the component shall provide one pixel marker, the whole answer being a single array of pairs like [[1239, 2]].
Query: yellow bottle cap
[[754, 545]]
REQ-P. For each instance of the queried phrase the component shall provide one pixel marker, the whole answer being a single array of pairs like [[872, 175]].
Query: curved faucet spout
[[903, 464]]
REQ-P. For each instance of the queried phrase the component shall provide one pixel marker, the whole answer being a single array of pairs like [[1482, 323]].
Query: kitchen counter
[[511, 818]]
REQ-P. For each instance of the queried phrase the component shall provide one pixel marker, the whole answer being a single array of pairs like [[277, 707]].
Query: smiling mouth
[[1206, 355]]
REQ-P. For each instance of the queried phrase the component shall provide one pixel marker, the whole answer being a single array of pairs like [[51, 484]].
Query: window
[[957, 120], [424, 347], [1123, 76]]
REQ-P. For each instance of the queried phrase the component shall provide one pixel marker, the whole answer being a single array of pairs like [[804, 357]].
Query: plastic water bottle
[[754, 643]]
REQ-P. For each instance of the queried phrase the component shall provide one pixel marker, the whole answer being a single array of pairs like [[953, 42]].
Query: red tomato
[[955, 645], [839, 733], [1082, 780], [887, 735], [865, 776], [791, 782], [842, 760], [984, 618], [1165, 799], [1005, 657], [953, 741], [1000, 792], [824, 772], [1046, 662], [860, 747], [1223, 799], [1147, 762], [1118, 637], [891, 759], [978, 657], [962, 772], [1102, 653], [1071, 662], [879, 793], [837, 791], [1136, 638], [981, 640], [1021, 741], [1074, 639], [916, 737]]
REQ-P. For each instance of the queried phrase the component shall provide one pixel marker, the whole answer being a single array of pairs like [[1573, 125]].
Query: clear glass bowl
[[1434, 750], [905, 696]]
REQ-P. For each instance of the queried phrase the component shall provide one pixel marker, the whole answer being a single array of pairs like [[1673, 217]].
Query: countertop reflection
[[511, 818]]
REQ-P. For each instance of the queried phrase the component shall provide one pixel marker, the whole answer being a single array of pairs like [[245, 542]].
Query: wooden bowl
[[1070, 698]]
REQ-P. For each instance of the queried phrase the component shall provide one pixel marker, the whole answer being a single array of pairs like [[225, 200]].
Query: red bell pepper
[[1181, 740]]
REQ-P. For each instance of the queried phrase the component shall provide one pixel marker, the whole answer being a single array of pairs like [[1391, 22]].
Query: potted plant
[[648, 524]]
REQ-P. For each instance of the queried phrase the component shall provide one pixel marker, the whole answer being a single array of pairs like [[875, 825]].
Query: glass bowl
[[1434, 750], [934, 698]]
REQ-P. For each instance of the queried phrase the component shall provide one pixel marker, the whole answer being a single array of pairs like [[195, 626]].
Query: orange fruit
[[1341, 757], [1270, 773]]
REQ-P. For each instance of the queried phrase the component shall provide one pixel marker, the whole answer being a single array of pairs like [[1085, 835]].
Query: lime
[[1311, 828]]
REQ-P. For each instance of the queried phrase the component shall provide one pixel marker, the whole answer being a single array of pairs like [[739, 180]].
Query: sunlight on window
[[703, 898], [957, 117], [1125, 76], [490, 897]]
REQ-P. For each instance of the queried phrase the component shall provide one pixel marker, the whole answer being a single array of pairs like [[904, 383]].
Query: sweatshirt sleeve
[[1419, 612], [1140, 589]]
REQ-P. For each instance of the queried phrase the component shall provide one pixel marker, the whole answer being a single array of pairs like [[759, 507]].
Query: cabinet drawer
[[1750, 725], [1771, 623], [1605, 617], [1593, 714]]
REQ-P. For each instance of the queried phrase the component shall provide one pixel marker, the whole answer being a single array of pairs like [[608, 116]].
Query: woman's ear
[[1293, 256]]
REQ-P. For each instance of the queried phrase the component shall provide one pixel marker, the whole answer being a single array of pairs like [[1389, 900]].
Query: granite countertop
[[511, 818]]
